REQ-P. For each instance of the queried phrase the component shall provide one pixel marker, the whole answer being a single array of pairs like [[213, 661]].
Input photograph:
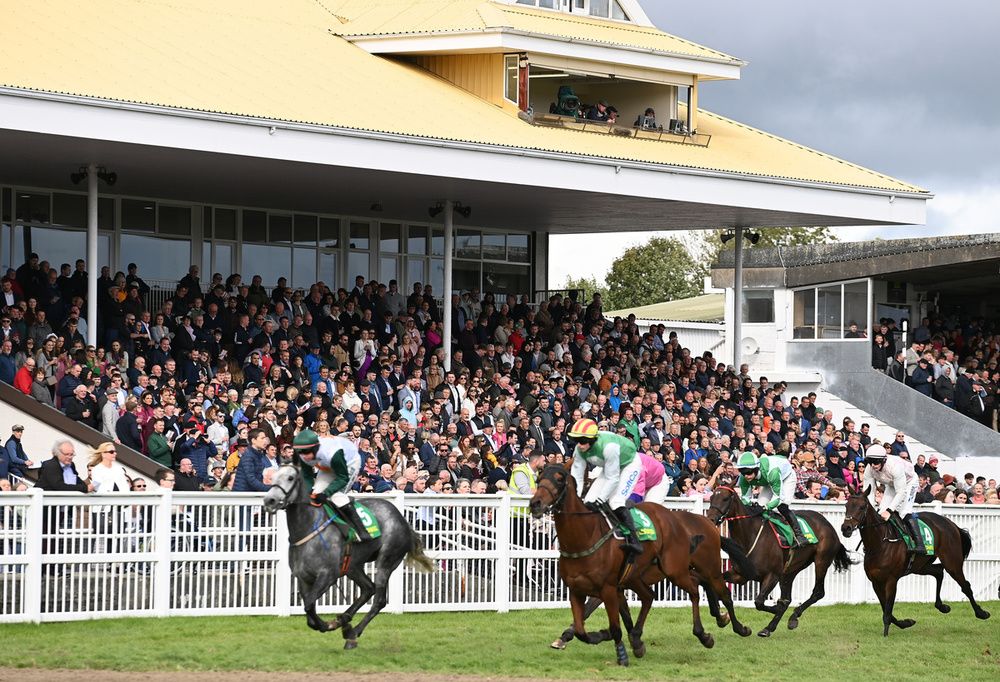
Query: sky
[[901, 87]]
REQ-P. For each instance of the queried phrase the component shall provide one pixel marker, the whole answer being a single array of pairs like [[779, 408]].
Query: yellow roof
[[393, 17], [704, 308], [279, 61]]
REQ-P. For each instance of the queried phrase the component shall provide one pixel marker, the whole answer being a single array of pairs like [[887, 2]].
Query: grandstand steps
[[879, 429]]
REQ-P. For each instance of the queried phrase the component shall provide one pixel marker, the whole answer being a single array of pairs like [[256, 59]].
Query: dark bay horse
[[591, 562], [887, 559], [777, 566], [317, 551]]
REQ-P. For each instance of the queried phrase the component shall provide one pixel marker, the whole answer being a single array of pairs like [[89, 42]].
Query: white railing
[[66, 556]]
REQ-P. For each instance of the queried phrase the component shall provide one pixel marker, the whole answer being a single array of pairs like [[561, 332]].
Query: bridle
[[724, 513], [296, 482]]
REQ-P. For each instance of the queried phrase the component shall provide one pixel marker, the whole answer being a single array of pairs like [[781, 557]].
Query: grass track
[[831, 642]]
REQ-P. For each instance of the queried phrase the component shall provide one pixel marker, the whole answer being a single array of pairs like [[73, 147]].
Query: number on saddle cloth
[[784, 532], [366, 516], [644, 528], [904, 532]]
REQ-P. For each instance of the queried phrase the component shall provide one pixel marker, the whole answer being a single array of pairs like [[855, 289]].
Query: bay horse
[[591, 566], [887, 558], [319, 555], [774, 565]]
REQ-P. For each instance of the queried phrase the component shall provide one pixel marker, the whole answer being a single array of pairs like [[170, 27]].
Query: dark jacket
[[198, 450], [74, 409], [50, 477], [127, 430], [250, 472]]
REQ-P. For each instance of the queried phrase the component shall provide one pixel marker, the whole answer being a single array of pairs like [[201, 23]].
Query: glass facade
[[166, 237], [827, 312]]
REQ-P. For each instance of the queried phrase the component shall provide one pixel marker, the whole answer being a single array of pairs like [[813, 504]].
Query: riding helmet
[[748, 463], [306, 441], [584, 430], [875, 454]]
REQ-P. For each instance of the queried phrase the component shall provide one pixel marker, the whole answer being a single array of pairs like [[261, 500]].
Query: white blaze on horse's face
[[283, 484]]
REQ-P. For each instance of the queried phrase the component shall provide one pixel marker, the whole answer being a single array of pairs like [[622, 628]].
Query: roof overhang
[[609, 57], [198, 156]]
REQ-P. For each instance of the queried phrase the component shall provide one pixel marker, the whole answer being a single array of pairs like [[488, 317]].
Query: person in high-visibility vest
[[524, 478]]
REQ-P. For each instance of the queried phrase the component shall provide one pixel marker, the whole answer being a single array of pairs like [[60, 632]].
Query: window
[[390, 238], [361, 234], [139, 216], [279, 230], [415, 273], [467, 244], [506, 279], [827, 312], [305, 230], [270, 262], [329, 233], [31, 207], [225, 223], [517, 248], [71, 210], [494, 246], [303, 272], [328, 268], [173, 256], [465, 276], [758, 306], [388, 268], [175, 220], [416, 242], [60, 246], [357, 264], [510, 70], [254, 226]]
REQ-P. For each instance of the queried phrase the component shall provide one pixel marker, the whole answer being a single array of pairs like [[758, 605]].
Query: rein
[[319, 528], [315, 531], [556, 508]]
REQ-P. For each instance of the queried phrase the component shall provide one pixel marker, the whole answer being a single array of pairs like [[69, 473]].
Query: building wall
[[480, 74]]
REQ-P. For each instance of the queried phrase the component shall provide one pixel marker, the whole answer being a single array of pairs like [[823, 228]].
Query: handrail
[[81, 432]]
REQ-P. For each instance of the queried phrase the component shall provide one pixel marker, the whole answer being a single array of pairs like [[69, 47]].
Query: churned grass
[[834, 642]]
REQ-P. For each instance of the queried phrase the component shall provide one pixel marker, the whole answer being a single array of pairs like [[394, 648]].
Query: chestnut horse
[[592, 564], [774, 565], [887, 559]]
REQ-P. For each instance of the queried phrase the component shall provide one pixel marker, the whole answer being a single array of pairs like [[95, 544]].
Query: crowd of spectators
[[215, 383], [947, 359]]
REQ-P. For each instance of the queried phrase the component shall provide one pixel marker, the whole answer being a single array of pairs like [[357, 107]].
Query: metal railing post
[[33, 551], [162, 587], [502, 584], [397, 584]]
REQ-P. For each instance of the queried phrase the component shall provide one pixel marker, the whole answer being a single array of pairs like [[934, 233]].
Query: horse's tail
[[737, 555], [416, 558], [842, 559], [966, 542]]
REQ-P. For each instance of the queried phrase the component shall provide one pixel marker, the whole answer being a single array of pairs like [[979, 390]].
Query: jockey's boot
[[918, 540], [631, 545], [800, 539], [350, 514]]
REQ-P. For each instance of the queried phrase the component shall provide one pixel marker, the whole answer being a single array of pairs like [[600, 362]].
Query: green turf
[[842, 642]]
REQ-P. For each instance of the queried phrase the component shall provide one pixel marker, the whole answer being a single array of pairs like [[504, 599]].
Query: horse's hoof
[[943, 608], [639, 651], [793, 623], [707, 641], [744, 631], [905, 623], [764, 633], [723, 620], [623, 662], [558, 644], [982, 614], [351, 644]]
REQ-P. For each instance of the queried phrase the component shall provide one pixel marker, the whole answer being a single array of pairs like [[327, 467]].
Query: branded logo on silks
[[367, 518], [644, 528], [784, 531]]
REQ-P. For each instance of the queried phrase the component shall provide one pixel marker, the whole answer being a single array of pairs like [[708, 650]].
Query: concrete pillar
[[93, 269], [738, 301]]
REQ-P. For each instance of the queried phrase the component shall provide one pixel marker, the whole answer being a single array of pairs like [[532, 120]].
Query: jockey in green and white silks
[[900, 484], [336, 463], [776, 480], [619, 466]]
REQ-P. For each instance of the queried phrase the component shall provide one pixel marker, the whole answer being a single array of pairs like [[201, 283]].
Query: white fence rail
[[65, 556]]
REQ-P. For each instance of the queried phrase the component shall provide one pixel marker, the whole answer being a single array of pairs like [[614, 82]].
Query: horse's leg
[[610, 594], [890, 602], [937, 572], [358, 576], [381, 584], [819, 590], [716, 587], [713, 600], [576, 604], [781, 605], [309, 599], [767, 584], [685, 582], [954, 565], [645, 594], [567, 636]]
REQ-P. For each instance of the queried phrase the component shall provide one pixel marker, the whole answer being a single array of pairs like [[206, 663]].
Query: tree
[[589, 285], [660, 270]]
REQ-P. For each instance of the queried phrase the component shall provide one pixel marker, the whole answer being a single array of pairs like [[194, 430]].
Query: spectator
[[186, 479], [13, 459], [127, 427], [106, 475], [59, 473], [648, 120], [253, 462], [598, 112], [82, 407]]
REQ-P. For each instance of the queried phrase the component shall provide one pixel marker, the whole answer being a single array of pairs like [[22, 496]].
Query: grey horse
[[316, 552]]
